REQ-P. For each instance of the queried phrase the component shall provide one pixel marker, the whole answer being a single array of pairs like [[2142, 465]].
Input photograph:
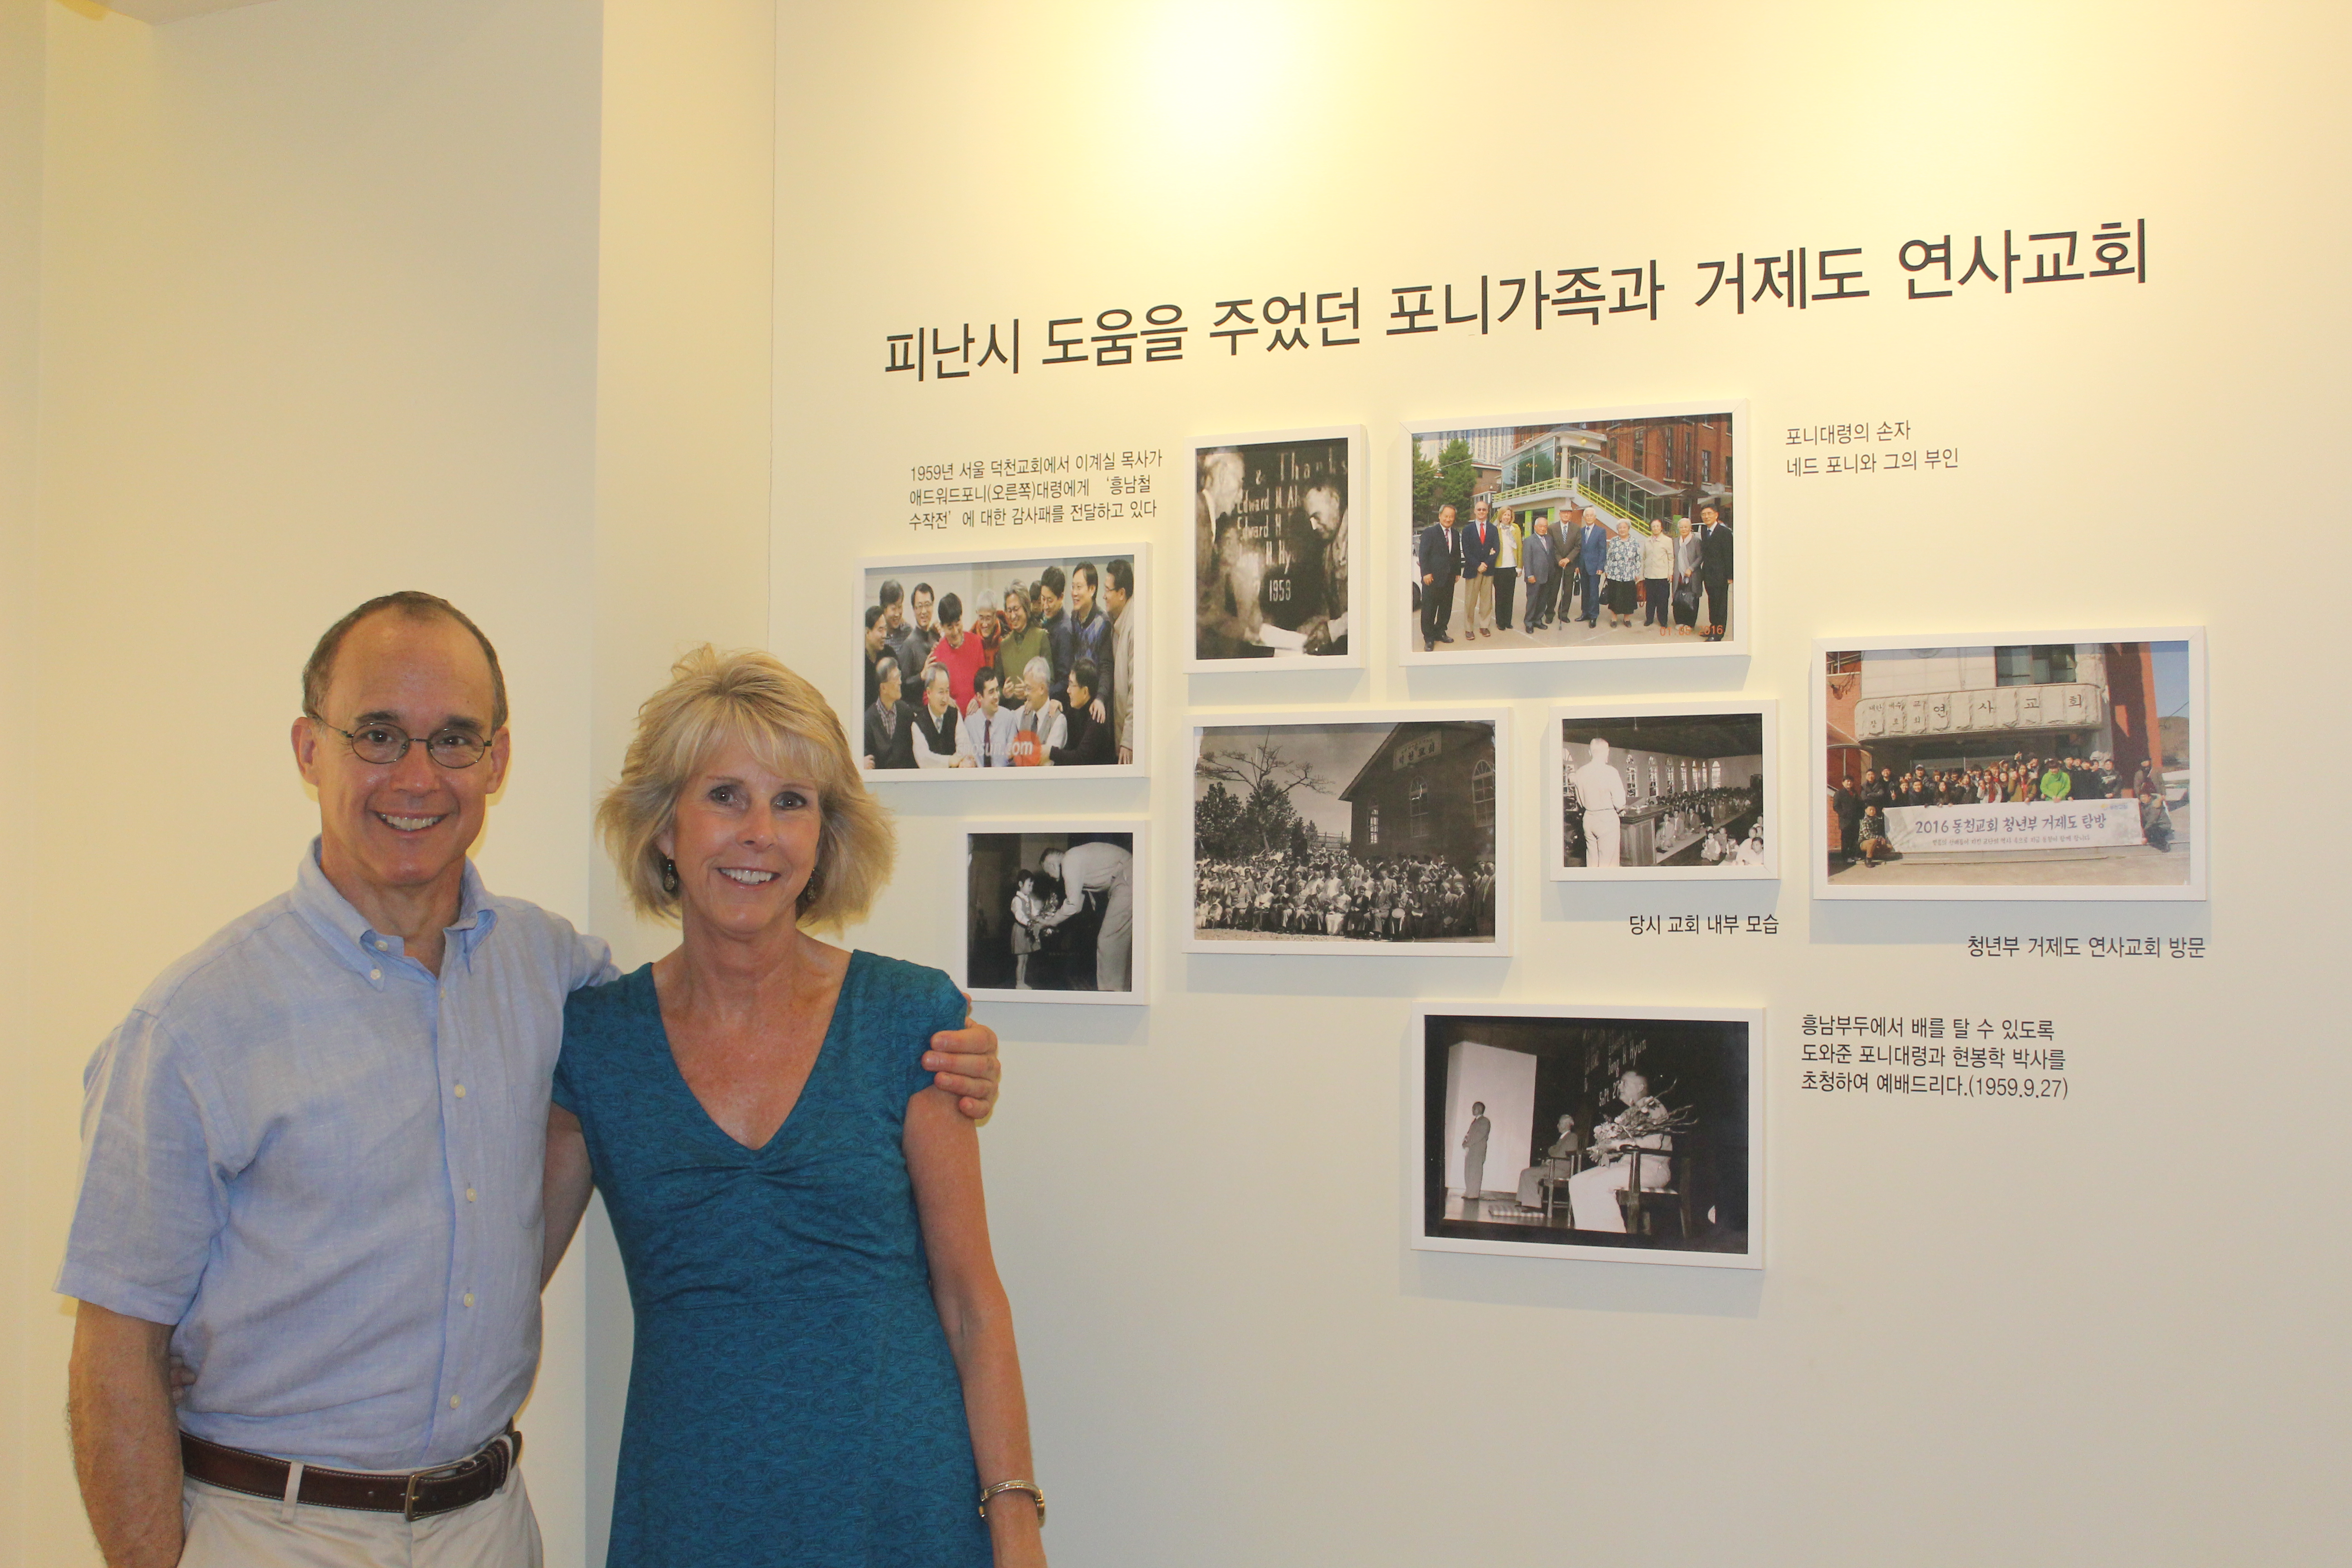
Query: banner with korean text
[[2043, 825]]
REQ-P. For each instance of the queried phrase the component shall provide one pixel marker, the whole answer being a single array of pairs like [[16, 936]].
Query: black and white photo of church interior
[[1588, 1132], [1689, 790]]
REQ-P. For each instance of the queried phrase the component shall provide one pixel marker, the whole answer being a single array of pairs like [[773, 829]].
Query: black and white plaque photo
[[1351, 831], [1055, 911], [1272, 533], [2037, 766], [1592, 533], [1663, 792], [1626, 1133], [1015, 664]]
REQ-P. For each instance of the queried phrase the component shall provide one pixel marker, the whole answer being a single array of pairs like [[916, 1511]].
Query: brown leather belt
[[412, 1494]]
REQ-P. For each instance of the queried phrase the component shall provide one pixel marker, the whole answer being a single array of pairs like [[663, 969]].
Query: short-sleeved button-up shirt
[[320, 1162]]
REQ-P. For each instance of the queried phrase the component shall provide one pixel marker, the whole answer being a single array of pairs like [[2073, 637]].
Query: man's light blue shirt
[[321, 1162]]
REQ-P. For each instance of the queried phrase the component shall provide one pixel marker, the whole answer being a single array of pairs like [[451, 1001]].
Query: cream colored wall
[[2100, 1331], [29, 1397], [319, 321]]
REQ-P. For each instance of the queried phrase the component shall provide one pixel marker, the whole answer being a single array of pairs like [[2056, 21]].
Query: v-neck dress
[[792, 1398]]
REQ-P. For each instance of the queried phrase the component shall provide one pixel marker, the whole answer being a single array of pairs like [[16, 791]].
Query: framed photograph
[[1592, 533], [1271, 538], [2027, 766], [1055, 911], [1628, 1134], [1663, 792], [1012, 664], [1358, 830]]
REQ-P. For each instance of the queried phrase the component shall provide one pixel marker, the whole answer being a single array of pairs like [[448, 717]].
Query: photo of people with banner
[[1270, 545], [1594, 533], [1020, 661], [1371, 832], [2057, 765], [1588, 1132], [1665, 791], [1053, 915]]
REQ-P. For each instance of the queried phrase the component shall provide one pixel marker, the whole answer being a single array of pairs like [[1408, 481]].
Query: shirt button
[[461, 1091], [375, 974], [469, 1194], [469, 1297], [453, 1402]]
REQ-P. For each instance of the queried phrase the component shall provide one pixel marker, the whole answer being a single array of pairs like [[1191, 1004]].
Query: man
[[1089, 743], [312, 1159], [914, 642], [1846, 801], [892, 598], [1474, 1162], [1089, 631], [1592, 557], [1441, 564], [1602, 789], [877, 643], [1714, 568], [1105, 872], [1022, 640], [987, 627], [1054, 619], [1229, 566], [1542, 569], [889, 722], [988, 728], [959, 652], [1119, 597], [1327, 515], [1479, 551], [1038, 728]]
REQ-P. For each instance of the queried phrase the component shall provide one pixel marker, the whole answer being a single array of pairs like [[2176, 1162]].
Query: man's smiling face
[[405, 825]]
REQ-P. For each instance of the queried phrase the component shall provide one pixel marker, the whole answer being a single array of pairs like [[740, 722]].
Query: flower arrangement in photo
[[1648, 1117]]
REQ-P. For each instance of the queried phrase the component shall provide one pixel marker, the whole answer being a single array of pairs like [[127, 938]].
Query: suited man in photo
[[1479, 545], [890, 722], [1541, 568], [1592, 556], [1714, 568], [1440, 564]]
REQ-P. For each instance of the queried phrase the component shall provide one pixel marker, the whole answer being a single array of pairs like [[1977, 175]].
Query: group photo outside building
[[1335, 835], [2063, 767], [1019, 659], [1561, 1132], [1563, 536]]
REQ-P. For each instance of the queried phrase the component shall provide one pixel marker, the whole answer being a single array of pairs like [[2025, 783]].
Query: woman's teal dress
[[793, 1399]]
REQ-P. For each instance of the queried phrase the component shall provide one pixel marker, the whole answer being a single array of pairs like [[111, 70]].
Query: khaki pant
[[230, 1529], [1479, 593]]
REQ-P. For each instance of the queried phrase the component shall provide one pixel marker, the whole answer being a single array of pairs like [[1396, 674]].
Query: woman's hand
[[964, 1063]]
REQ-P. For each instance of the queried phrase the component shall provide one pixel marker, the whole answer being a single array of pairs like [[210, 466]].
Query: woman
[[1634, 1135], [1685, 577], [1657, 580], [1620, 568], [824, 1365], [1506, 566], [940, 738]]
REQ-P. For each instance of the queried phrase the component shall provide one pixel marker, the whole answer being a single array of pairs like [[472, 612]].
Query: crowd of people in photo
[[1675, 577], [1860, 806], [1331, 893], [1042, 675], [1725, 822]]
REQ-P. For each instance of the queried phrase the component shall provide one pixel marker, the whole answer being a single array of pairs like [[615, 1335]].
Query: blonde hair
[[716, 698]]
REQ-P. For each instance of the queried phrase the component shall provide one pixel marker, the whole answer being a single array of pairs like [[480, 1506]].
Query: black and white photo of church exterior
[[1591, 1132], [1319, 834]]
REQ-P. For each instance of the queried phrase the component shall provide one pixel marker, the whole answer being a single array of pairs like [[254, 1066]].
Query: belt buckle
[[416, 1477]]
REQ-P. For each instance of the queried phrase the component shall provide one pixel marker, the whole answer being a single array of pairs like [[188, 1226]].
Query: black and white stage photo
[[1054, 914], [1663, 792], [1329, 833], [1591, 1131], [1271, 521]]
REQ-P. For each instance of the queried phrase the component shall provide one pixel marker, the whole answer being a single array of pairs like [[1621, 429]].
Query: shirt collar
[[361, 945]]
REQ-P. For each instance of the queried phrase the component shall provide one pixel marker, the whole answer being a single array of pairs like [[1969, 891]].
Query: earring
[[669, 875], [809, 889]]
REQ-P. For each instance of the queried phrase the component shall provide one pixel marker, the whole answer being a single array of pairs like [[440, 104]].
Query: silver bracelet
[[1032, 1487]]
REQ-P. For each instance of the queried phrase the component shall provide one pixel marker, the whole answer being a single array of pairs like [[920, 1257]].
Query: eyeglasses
[[383, 745]]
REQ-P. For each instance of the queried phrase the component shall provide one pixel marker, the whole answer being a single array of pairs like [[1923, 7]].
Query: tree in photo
[[1265, 780], [1216, 817]]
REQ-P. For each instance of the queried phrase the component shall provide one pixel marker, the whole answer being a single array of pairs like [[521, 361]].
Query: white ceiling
[[159, 11]]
